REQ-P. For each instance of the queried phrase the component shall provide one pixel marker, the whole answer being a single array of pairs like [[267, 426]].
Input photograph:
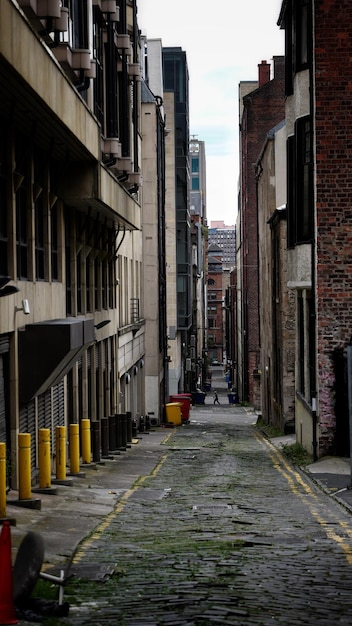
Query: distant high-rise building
[[175, 76], [198, 178], [225, 237]]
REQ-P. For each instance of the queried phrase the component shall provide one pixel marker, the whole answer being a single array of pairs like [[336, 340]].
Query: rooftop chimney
[[263, 73]]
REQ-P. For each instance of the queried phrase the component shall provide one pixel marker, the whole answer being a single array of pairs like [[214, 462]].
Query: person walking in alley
[[216, 399]]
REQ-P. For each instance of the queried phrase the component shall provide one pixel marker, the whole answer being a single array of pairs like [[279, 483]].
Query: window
[[195, 183], [68, 261], [302, 34], [306, 345], [80, 24], [39, 239], [300, 183], [54, 244], [21, 233], [98, 52], [301, 345], [304, 167], [3, 216], [298, 38], [195, 165]]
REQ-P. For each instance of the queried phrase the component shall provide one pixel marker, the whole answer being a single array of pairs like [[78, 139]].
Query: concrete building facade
[[154, 260], [199, 331], [71, 320]]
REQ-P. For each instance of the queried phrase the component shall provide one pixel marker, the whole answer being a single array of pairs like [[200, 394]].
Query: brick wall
[[333, 88], [263, 109]]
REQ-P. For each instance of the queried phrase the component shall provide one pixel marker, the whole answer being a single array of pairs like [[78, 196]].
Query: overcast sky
[[224, 43]]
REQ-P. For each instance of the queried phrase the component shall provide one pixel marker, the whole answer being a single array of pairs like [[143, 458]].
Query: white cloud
[[224, 45]]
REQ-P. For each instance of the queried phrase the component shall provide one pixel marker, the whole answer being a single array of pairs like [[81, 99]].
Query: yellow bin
[[173, 413]]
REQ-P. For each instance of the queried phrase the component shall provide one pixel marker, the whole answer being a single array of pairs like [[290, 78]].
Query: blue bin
[[233, 398], [198, 397]]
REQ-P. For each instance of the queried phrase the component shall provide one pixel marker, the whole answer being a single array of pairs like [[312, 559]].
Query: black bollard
[[124, 431], [104, 435], [129, 426], [96, 441], [134, 429], [141, 424], [112, 433], [118, 432]]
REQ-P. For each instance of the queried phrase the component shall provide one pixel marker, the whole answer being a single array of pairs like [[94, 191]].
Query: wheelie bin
[[173, 413], [185, 400]]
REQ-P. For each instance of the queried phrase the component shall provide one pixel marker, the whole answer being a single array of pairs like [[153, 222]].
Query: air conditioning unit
[[123, 42], [49, 8], [92, 71], [154, 419], [111, 146], [108, 6], [61, 23], [134, 70], [63, 53], [29, 6], [124, 164], [135, 178], [80, 59]]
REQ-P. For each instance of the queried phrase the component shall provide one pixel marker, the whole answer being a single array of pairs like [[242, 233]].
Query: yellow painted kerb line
[[119, 507], [280, 463]]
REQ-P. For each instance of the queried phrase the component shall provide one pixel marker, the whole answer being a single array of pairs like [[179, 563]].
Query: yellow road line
[[119, 507], [291, 475]]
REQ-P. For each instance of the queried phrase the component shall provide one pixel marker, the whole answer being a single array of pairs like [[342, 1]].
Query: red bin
[[185, 400]]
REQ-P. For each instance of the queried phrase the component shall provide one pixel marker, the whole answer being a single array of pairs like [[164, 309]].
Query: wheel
[[28, 563]]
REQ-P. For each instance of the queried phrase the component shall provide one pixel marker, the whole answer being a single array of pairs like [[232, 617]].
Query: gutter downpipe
[[313, 378]]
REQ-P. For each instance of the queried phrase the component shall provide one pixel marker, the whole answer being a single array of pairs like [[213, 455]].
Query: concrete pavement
[[68, 517], [331, 473]]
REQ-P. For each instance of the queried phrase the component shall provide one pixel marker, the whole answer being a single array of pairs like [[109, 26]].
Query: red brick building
[[215, 304], [319, 187], [262, 106]]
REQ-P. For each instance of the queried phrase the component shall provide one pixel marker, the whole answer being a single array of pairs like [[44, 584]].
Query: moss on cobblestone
[[217, 537], [268, 429]]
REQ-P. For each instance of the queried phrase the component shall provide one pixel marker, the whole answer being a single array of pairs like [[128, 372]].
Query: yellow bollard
[[24, 467], [2, 479], [74, 449], [86, 443], [61, 452], [44, 458]]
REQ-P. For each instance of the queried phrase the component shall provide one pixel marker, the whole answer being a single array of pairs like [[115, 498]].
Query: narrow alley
[[223, 531]]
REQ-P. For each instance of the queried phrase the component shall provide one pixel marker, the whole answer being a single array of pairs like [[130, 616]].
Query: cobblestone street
[[223, 531]]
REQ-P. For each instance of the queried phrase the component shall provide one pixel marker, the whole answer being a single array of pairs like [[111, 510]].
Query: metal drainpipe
[[111, 123], [135, 90], [124, 95], [313, 377]]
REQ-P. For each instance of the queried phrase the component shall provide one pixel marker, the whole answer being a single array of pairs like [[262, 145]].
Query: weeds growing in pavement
[[268, 429], [297, 454]]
